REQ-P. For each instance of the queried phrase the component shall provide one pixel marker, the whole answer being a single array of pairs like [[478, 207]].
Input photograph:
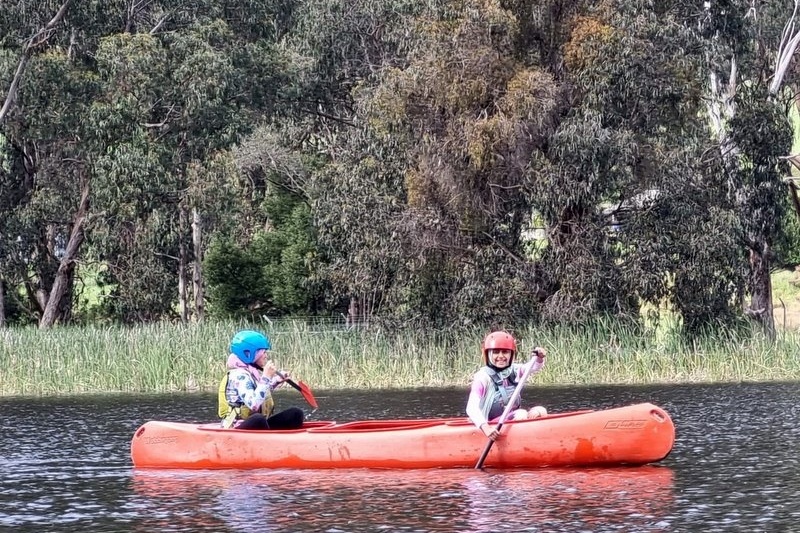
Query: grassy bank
[[163, 357]]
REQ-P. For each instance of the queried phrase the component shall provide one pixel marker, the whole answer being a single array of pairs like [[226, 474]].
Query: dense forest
[[435, 164]]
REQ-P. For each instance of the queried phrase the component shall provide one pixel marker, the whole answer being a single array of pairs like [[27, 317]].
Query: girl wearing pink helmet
[[494, 383]]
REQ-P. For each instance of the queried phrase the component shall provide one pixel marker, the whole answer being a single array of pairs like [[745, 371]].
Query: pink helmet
[[499, 340]]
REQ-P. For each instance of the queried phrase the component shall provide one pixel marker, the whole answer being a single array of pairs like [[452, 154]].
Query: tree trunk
[[197, 272], [352, 313], [182, 261], [66, 267], [2, 306], [795, 200], [761, 289]]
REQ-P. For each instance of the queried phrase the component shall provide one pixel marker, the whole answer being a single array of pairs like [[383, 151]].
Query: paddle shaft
[[507, 410], [292, 383]]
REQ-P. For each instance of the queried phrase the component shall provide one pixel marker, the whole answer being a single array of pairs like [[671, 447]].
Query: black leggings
[[291, 418]]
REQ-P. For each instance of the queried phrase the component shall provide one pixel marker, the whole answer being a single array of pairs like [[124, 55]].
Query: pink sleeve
[[536, 367], [476, 394]]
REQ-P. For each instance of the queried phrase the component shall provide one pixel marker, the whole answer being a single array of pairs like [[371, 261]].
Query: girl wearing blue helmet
[[245, 392]]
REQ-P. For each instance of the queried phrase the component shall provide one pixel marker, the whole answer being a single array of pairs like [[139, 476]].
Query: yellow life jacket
[[229, 412]]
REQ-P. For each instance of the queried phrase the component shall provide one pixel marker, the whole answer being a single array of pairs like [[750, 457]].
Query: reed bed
[[168, 357]]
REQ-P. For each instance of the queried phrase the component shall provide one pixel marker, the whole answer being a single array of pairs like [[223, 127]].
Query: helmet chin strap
[[497, 368]]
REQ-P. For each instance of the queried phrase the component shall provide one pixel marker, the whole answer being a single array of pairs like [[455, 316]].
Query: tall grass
[[167, 357]]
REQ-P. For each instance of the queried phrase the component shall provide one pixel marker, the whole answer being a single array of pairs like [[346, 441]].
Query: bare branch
[[322, 114], [36, 40], [164, 122], [789, 41]]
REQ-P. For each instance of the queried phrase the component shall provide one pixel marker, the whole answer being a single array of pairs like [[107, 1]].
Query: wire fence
[[312, 323]]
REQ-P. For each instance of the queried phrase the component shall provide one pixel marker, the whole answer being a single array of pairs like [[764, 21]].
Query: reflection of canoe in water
[[465, 500], [636, 434]]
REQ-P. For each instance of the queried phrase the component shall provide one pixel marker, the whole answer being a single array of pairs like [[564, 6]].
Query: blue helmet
[[246, 343]]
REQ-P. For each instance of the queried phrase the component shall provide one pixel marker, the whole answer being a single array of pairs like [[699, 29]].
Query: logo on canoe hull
[[152, 441], [625, 424]]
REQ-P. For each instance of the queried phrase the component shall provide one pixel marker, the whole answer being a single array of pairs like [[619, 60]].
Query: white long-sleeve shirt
[[482, 390]]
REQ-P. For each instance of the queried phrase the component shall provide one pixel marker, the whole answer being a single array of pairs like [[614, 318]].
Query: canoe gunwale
[[361, 426]]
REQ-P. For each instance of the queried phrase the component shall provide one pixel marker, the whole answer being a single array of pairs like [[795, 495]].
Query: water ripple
[[734, 468]]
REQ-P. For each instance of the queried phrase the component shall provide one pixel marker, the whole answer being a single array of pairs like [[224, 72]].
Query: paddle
[[303, 388], [507, 410]]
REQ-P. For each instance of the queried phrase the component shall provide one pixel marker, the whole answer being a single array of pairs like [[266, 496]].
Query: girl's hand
[[269, 369], [540, 353], [490, 431]]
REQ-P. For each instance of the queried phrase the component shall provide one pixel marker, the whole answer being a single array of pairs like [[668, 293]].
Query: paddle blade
[[306, 392]]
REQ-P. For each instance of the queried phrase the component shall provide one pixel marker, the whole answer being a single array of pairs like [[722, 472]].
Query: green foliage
[[235, 279], [436, 181], [358, 201], [268, 276], [762, 133], [288, 260], [138, 282], [341, 43], [276, 262], [394, 153], [787, 248], [637, 80]]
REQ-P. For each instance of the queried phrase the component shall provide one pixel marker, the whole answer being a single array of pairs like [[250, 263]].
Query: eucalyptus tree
[[298, 159], [139, 100], [749, 49], [432, 182], [46, 178], [217, 73], [672, 72], [484, 123], [500, 112], [638, 73]]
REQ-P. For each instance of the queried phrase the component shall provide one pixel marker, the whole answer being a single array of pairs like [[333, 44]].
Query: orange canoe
[[632, 435]]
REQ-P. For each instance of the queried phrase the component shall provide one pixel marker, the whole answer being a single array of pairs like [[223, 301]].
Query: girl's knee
[[519, 414], [537, 412]]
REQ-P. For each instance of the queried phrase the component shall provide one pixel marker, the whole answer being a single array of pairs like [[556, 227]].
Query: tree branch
[[789, 41], [67, 264], [36, 40]]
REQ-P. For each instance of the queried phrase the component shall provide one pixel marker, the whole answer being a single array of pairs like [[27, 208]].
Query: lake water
[[65, 467]]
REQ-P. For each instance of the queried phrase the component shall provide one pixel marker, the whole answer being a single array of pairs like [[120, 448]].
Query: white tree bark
[[789, 41], [721, 107], [2, 306], [67, 263], [182, 262], [197, 271]]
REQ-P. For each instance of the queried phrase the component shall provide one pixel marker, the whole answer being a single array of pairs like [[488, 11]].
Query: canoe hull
[[633, 435]]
